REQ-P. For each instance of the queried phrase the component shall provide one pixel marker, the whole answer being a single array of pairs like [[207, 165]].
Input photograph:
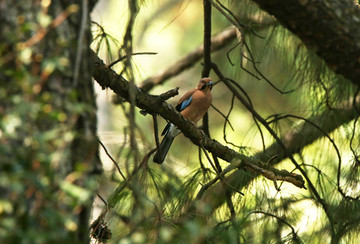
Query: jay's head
[[205, 84]]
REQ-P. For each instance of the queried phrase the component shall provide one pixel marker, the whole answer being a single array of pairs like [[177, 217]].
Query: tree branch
[[107, 78], [330, 28], [294, 141], [217, 42], [207, 39]]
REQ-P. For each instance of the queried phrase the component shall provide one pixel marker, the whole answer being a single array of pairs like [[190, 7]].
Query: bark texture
[[330, 28]]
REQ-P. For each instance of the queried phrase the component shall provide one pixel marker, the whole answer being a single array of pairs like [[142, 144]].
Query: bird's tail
[[163, 149]]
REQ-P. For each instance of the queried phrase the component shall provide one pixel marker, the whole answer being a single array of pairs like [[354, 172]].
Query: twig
[[278, 140], [230, 50], [224, 116], [102, 199], [276, 175], [331, 141], [232, 18], [219, 176], [294, 140], [113, 160], [208, 158], [279, 219], [171, 93], [225, 122], [202, 166], [263, 76], [163, 97], [125, 57]]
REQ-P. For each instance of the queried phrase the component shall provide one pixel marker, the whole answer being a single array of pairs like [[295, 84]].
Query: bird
[[192, 105]]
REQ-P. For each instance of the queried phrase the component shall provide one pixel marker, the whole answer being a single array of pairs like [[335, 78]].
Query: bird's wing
[[181, 106], [185, 100], [183, 103]]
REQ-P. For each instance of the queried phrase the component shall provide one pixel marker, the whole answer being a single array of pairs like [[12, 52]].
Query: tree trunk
[[49, 147]]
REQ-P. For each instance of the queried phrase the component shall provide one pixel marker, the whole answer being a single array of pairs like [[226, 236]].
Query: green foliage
[[42, 188]]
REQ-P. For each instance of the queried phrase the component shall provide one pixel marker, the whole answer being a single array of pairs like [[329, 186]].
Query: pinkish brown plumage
[[192, 105]]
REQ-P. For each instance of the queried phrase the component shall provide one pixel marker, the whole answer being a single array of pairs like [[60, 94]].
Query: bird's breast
[[199, 105]]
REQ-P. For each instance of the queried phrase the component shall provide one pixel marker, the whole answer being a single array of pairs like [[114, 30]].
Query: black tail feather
[[163, 149]]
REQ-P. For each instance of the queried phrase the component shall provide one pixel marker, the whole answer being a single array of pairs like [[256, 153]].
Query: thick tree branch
[[330, 28], [107, 78]]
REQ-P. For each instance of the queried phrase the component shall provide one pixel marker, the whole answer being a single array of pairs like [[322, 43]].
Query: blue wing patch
[[180, 107]]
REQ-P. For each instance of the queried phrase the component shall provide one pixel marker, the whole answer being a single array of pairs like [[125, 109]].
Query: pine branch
[[107, 78], [295, 140], [334, 36]]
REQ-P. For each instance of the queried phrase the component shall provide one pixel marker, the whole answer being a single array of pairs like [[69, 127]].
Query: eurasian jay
[[193, 106]]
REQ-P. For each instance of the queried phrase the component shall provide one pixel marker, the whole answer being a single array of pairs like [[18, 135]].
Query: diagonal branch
[[107, 78], [294, 141], [217, 42]]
